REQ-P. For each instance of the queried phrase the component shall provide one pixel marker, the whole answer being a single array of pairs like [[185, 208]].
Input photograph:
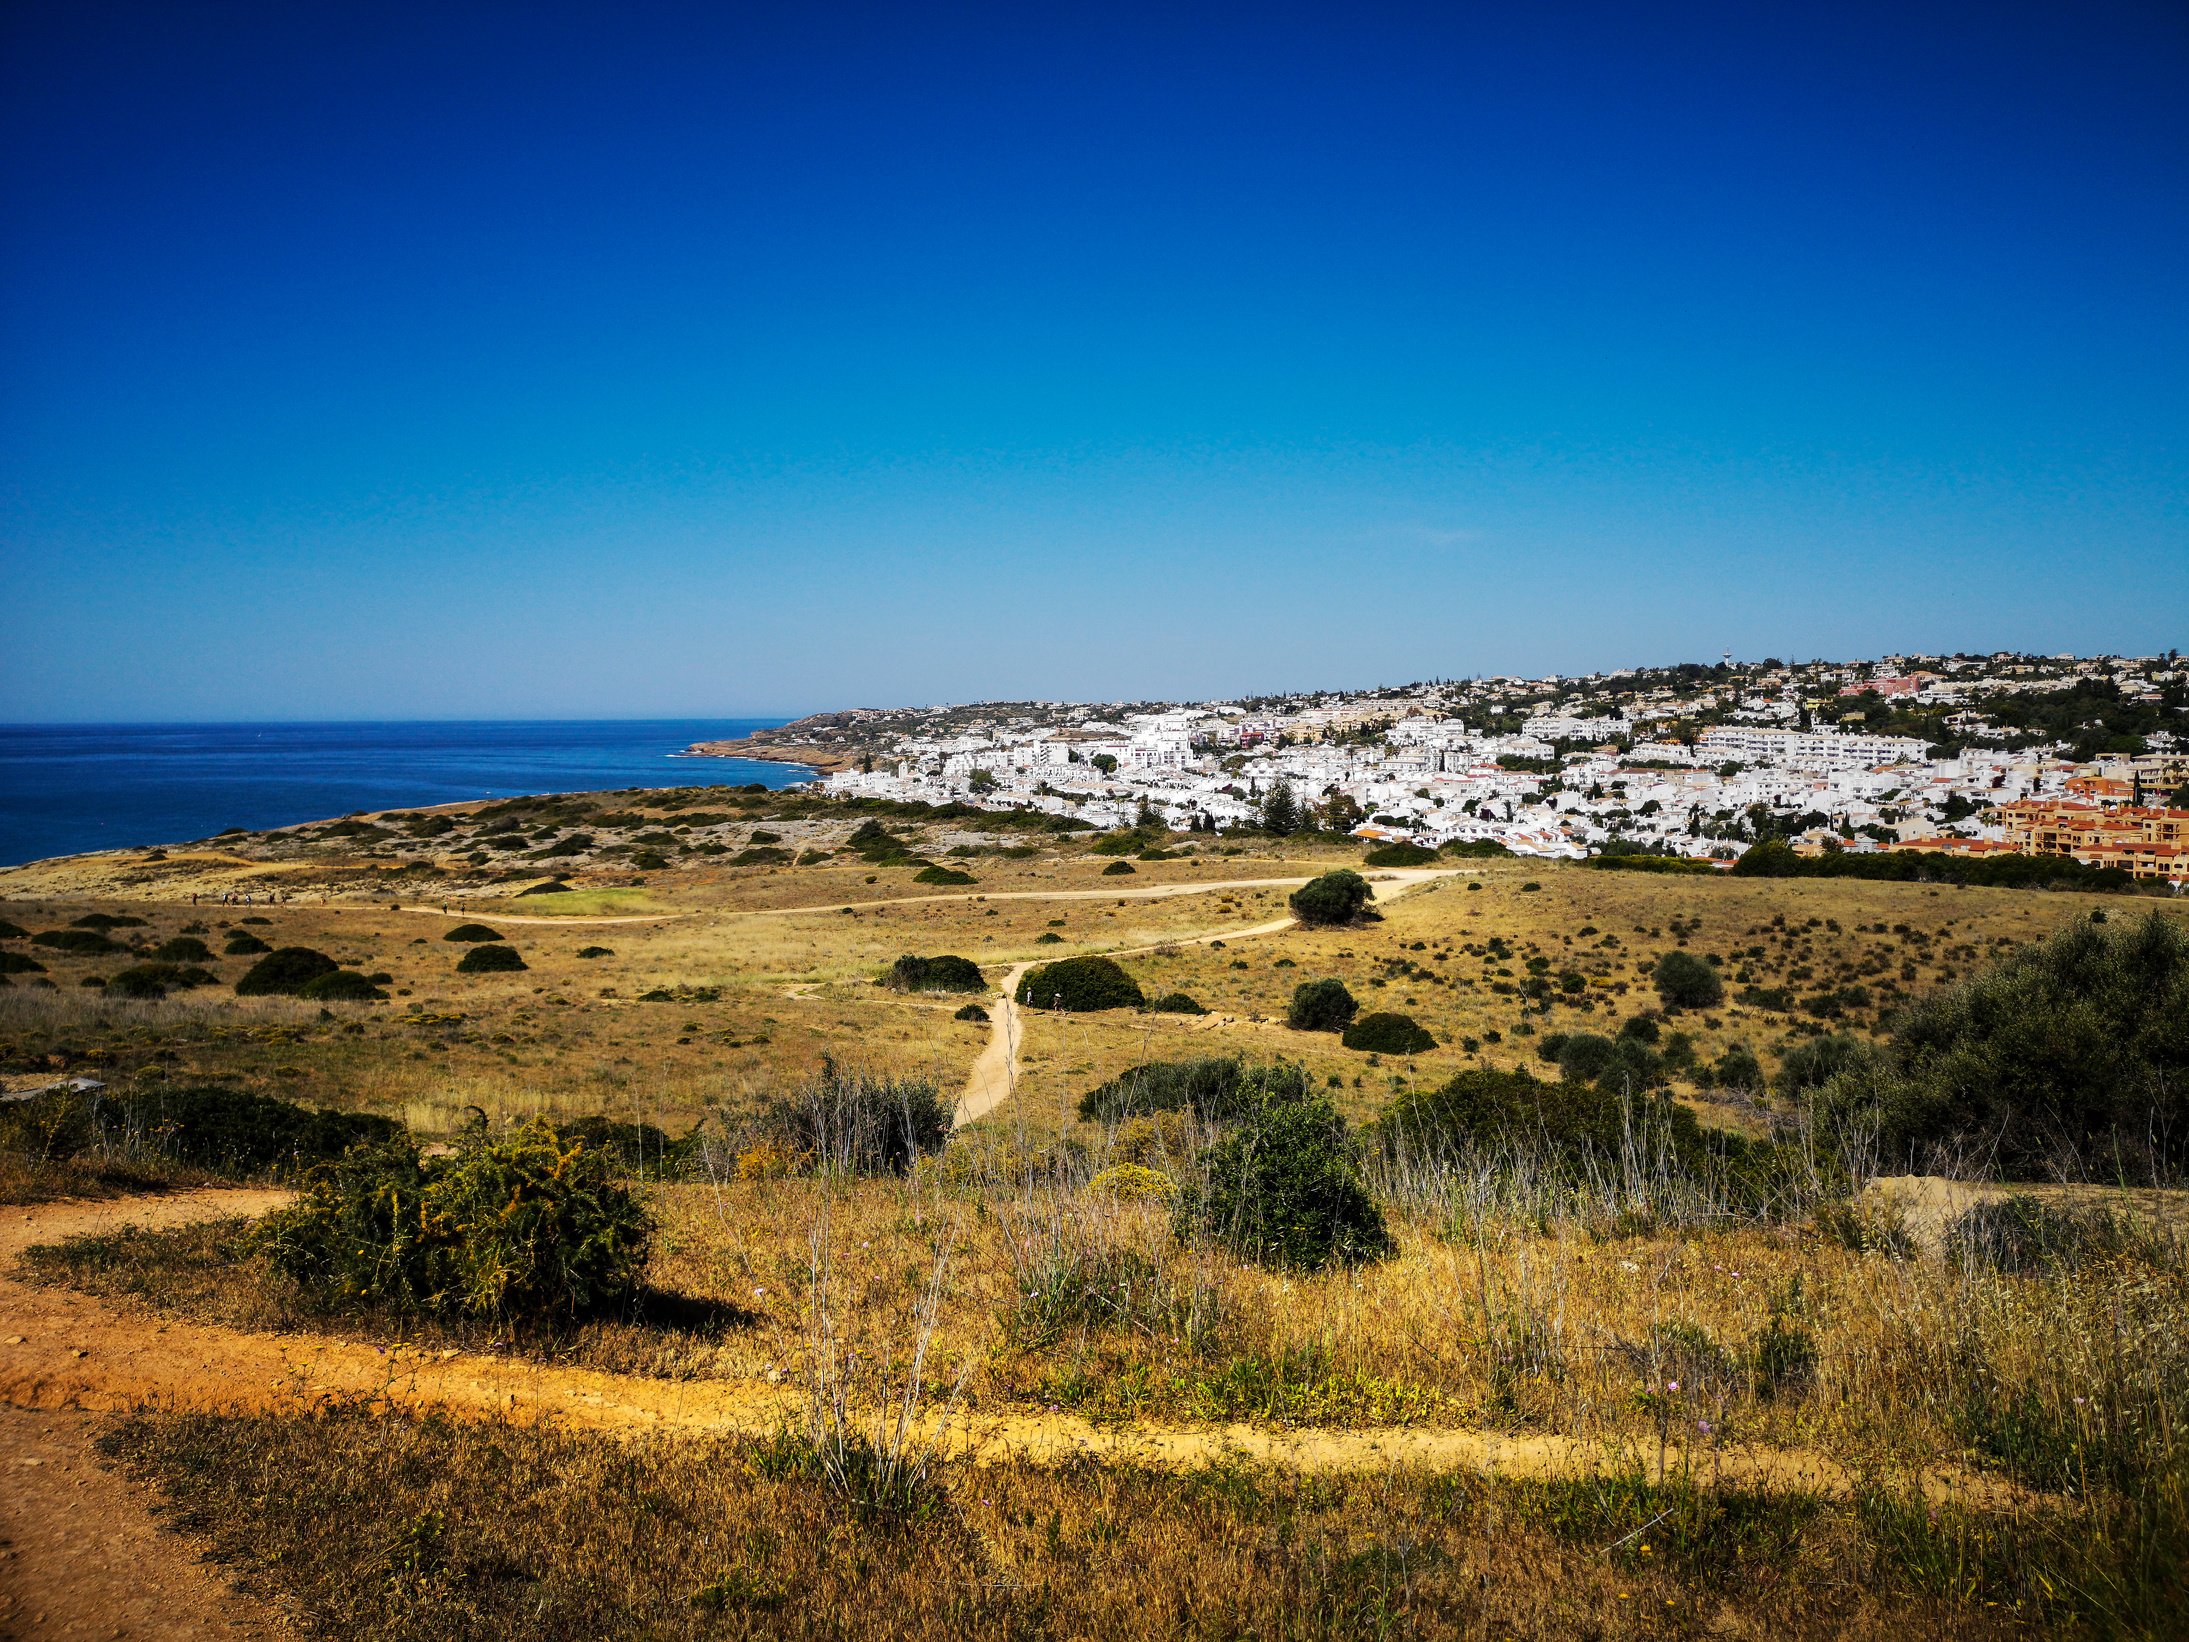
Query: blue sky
[[478, 360]]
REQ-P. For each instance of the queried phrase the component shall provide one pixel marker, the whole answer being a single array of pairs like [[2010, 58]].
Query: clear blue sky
[[481, 360]]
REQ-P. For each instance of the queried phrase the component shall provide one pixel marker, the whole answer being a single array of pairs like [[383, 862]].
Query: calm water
[[69, 788]]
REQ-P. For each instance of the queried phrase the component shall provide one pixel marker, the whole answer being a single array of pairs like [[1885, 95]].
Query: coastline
[[821, 760]]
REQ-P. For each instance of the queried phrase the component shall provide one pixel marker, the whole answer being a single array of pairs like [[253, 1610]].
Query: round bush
[[12, 931], [82, 942], [1178, 1003], [947, 973], [595, 952], [522, 1229], [1119, 869], [20, 963], [1321, 1006], [471, 932], [490, 960], [1080, 985], [1387, 1034], [286, 969], [1684, 981], [942, 875], [1284, 1189], [1335, 898], [243, 944], [343, 986], [971, 1012], [183, 949], [1399, 855], [143, 981]]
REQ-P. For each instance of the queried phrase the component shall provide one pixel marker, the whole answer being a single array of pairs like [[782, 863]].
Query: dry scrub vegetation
[[1732, 1383]]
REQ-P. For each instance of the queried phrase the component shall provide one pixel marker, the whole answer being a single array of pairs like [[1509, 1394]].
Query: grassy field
[[1610, 1407]]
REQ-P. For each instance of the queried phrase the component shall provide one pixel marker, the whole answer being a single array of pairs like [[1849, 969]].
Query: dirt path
[[82, 1555], [994, 1077], [69, 1351], [1404, 878]]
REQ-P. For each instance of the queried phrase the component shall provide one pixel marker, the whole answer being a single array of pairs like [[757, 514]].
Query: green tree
[[1280, 810], [1334, 898]]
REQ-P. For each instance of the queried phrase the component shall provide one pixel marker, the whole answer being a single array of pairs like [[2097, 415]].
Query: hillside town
[[1994, 753]]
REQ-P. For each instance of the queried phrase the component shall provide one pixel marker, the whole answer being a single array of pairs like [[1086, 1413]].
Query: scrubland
[[1016, 1393]]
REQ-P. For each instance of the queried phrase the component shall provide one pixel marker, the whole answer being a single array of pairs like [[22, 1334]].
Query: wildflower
[[1672, 1385]]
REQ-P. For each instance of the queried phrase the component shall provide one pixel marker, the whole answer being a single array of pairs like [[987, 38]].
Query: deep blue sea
[[69, 788]]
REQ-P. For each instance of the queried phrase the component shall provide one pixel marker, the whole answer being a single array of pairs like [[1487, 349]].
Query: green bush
[[1385, 1033], [80, 942], [2069, 1057], [472, 932], [596, 952], [20, 963], [12, 931], [490, 960], [1399, 855], [1738, 1068], [1684, 981], [1335, 898], [1177, 1003], [242, 943], [971, 1012], [183, 949], [1321, 1006], [104, 921], [156, 980], [287, 969], [943, 875], [1119, 869], [947, 973], [854, 1122], [343, 986], [523, 1229], [754, 855], [1079, 985], [1283, 1188], [1810, 1065], [234, 1131], [1214, 1088], [1475, 849]]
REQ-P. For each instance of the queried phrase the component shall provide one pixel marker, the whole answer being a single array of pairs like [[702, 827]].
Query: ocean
[[65, 789]]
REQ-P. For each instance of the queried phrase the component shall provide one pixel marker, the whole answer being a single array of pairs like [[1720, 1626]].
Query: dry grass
[[422, 1529]]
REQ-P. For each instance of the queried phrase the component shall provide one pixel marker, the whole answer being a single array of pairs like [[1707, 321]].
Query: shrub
[[228, 1131], [639, 1147], [343, 986], [1134, 1183], [1387, 1034], [1079, 985], [1575, 1130], [1809, 1066], [2024, 1234], [854, 1122], [943, 875], [1684, 981], [1335, 898], [1738, 1068], [522, 1229], [1321, 1006], [947, 973], [1399, 855], [1119, 869], [12, 931], [1475, 849], [20, 963], [596, 952], [971, 1012], [2068, 1055], [755, 855], [1284, 1189], [243, 944], [489, 960], [81, 942], [104, 921], [183, 949], [287, 969], [156, 979], [1177, 1003], [472, 932], [1214, 1088]]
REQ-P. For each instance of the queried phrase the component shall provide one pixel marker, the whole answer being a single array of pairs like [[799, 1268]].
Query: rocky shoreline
[[824, 760]]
